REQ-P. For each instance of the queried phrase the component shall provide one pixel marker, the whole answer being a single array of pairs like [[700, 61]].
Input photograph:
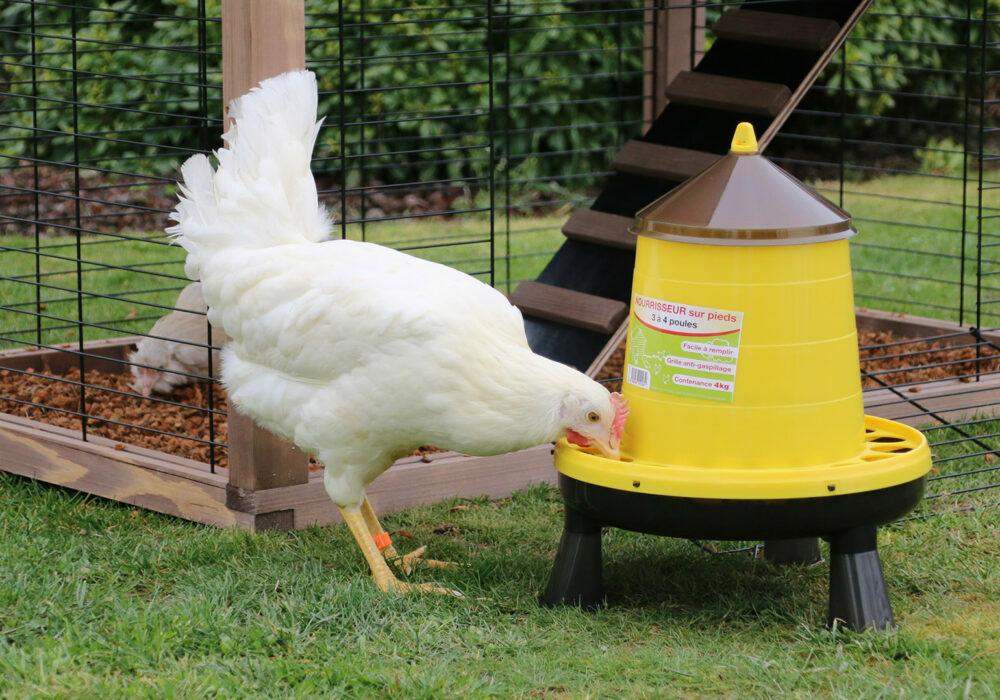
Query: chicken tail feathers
[[263, 193]]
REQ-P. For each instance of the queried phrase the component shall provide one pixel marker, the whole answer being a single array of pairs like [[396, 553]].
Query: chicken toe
[[405, 562], [358, 524]]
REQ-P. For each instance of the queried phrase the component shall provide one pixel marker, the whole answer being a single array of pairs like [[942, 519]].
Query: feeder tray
[[892, 454], [742, 373]]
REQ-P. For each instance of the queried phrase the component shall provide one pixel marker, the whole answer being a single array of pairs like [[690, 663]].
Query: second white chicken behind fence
[[175, 353]]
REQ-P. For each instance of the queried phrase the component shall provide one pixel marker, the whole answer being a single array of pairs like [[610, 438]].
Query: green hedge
[[556, 78], [556, 106], [129, 110], [566, 51]]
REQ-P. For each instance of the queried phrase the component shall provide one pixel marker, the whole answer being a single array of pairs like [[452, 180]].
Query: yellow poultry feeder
[[743, 380]]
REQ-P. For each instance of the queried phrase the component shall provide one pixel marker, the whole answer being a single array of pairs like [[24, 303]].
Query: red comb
[[620, 406]]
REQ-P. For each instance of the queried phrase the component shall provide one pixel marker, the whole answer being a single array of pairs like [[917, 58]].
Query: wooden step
[[729, 94], [601, 228], [667, 162], [777, 29], [578, 309]]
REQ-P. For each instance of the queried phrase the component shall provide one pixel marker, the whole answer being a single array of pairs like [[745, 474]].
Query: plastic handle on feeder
[[744, 140]]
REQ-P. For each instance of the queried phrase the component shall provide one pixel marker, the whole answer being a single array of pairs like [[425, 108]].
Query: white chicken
[[175, 352], [355, 352]]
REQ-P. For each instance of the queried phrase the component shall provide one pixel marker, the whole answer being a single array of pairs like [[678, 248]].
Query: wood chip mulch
[[168, 424], [177, 424], [184, 415], [887, 359]]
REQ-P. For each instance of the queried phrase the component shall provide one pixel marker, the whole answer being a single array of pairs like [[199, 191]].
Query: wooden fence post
[[260, 39], [674, 34]]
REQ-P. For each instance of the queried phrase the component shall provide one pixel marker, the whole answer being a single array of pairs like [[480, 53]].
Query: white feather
[[356, 352], [263, 193]]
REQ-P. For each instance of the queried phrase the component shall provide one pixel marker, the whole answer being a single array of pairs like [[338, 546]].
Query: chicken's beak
[[145, 382], [609, 448]]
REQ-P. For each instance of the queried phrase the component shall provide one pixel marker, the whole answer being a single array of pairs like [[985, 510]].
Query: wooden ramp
[[758, 69]]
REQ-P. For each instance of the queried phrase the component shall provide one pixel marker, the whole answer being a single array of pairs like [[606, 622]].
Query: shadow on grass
[[682, 581]]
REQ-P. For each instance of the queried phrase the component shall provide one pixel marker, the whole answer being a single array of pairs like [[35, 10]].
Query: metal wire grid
[[945, 385], [471, 111], [98, 107], [82, 180], [384, 163]]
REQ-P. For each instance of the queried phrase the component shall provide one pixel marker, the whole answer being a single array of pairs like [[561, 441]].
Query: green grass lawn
[[521, 246], [126, 282], [100, 600], [907, 257]]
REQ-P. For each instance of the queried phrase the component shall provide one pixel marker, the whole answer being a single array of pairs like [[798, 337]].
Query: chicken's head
[[148, 380], [145, 379], [152, 369], [596, 422]]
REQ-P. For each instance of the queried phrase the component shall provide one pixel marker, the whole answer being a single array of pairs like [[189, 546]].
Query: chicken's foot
[[405, 562], [381, 573]]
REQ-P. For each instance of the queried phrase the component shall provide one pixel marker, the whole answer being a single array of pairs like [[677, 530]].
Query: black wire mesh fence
[[500, 116], [98, 106], [465, 132]]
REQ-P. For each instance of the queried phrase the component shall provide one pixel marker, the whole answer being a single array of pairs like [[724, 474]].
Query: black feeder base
[[859, 599]]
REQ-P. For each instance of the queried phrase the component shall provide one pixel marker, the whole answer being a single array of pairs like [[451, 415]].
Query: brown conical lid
[[743, 199]]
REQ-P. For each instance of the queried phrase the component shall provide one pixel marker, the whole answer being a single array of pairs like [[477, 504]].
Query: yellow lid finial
[[744, 140]]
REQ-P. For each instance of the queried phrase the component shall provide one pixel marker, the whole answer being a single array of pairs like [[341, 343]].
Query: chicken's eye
[[593, 417]]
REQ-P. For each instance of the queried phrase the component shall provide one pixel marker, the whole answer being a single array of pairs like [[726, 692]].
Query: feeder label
[[684, 349]]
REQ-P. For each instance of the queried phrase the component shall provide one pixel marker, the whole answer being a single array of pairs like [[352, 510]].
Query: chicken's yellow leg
[[383, 576], [404, 563]]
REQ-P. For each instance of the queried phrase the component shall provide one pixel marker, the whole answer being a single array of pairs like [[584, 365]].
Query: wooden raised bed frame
[[187, 488]]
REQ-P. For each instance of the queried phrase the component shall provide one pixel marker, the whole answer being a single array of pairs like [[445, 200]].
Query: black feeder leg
[[576, 574], [858, 596], [804, 550]]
